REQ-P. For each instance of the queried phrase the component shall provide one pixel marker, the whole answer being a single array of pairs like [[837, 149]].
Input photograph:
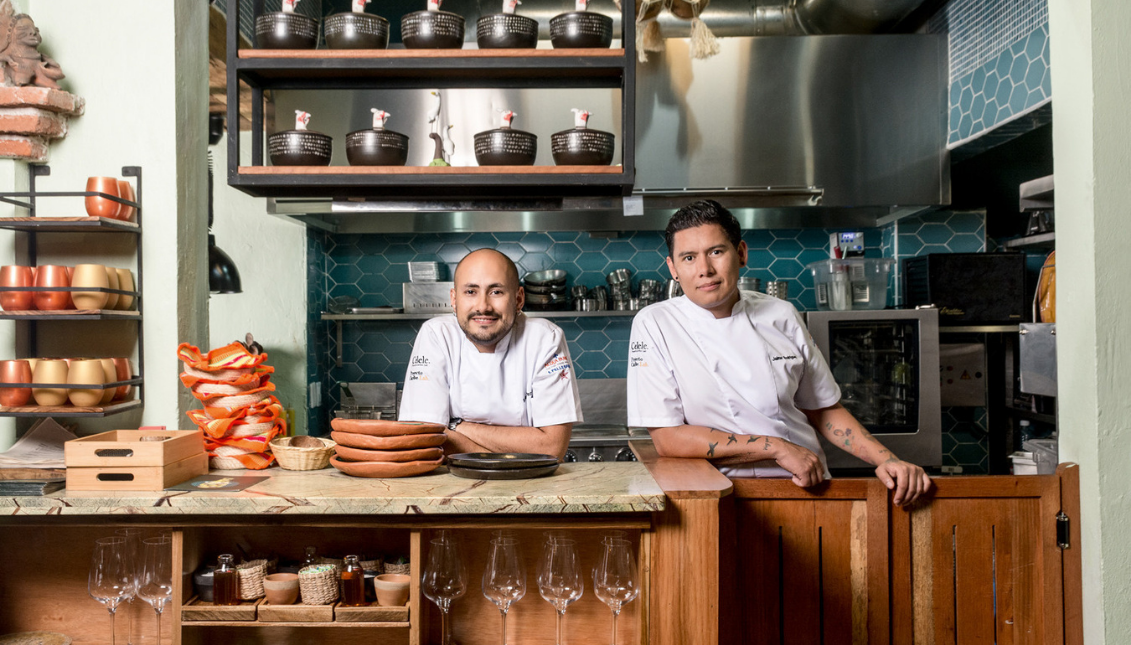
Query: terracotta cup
[[85, 372], [17, 276], [109, 375], [112, 280], [392, 589], [126, 191], [281, 588], [125, 283], [15, 372], [31, 363], [51, 371], [52, 275], [100, 206], [125, 372], [92, 276]]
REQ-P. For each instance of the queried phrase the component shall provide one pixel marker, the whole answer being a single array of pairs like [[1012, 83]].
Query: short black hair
[[704, 211]]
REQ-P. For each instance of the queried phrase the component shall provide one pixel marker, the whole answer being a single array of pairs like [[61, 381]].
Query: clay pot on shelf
[[299, 148], [90, 276], [17, 276], [112, 280], [377, 146], [281, 588], [506, 31], [352, 30], [125, 283], [100, 206], [109, 375], [126, 192], [284, 30], [582, 147], [432, 30], [85, 372], [52, 275], [392, 589], [50, 371], [125, 372], [18, 371], [581, 30]]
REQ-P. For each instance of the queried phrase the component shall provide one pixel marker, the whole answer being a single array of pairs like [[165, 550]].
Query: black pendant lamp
[[223, 276]]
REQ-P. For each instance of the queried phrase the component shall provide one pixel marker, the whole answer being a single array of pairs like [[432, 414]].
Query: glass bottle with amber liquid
[[353, 583], [225, 582]]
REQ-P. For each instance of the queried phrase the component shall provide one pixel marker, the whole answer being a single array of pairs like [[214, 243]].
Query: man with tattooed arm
[[734, 377]]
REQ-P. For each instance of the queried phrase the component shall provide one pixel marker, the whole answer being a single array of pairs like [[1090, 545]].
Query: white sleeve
[[554, 397], [426, 390], [653, 393], [817, 388]]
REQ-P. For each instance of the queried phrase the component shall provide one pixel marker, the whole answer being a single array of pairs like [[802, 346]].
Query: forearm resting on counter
[[721, 447], [547, 440]]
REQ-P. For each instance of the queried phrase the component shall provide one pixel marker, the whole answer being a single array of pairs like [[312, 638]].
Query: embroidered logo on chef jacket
[[638, 347], [419, 361], [417, 375], [557, 364], [636, 361]]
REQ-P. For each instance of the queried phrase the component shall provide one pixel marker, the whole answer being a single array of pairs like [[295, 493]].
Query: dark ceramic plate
[[513, 473], [501, 460]]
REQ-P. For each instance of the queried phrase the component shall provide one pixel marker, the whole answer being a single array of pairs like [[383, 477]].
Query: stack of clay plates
[[501, 465], [376, 448]]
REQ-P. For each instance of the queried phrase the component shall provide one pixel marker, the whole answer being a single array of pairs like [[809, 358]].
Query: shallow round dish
[[501, 460], [581, 30], [432, 30], [545, 277], [281, 30], [361, 454], [383, 428], [385, 469], [506, 31], [556, 290], [405, 442], [351, 30], [511, 473]]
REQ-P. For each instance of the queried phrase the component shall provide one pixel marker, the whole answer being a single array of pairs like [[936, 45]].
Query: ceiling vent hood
[[819, 130]]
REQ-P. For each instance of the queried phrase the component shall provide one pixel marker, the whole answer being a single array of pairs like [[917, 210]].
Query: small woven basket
[[292, 458], [318, 584], [251, 576], [377, 565], [398, 568]]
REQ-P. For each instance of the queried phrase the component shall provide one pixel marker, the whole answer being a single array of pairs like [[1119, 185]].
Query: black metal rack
[[416, 69], [33, 225]]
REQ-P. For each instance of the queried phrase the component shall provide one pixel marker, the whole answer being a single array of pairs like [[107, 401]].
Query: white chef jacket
[[750, 373], [527, 381]]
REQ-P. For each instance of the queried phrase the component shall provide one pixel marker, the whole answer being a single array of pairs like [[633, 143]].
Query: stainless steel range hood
[[836, 130]]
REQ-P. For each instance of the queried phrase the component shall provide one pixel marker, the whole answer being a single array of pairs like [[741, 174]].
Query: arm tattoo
[[752, 439], [766, 444], [711, 449], [731, 439]]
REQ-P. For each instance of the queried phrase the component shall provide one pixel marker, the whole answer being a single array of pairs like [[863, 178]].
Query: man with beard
[[500, 381]]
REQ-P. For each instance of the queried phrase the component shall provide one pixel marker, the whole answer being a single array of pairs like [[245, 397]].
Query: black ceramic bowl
[[432, 30], [280, 30], [505, 147], [582, 147], [376, 148], [299, 148], [352, 30], [506, 31], [581, 30]]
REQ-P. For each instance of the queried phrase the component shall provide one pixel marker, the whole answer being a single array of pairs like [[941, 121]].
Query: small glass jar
[[225, 582], [353, 583]]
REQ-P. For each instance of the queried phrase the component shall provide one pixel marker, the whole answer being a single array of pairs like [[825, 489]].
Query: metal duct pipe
[[851, 16]]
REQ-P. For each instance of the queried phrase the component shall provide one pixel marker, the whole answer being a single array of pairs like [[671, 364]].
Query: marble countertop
[[619, 487]]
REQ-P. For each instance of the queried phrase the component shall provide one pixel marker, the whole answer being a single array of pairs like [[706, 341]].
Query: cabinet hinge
[[1062, 526]]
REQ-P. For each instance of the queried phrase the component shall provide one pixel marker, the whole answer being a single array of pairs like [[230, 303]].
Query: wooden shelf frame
[[265, 70]]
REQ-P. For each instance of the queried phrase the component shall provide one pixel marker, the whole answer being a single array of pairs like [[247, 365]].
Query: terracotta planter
[[90, 276], [17, 276], [109, 375], [15, 372], [125, 372], [50, 371], [52, 275], [100, 206], [126, 191], [85, 372]]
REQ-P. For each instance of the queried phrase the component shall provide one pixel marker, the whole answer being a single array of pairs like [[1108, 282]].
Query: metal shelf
[[68, 411], [1040, 240], [979, 329], [1037, 195], [69, 225], [71, 314]]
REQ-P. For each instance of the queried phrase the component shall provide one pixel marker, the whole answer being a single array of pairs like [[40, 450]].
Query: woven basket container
[[377, 564], [292, 458], [251, 579], [318, 584], [397, 568]]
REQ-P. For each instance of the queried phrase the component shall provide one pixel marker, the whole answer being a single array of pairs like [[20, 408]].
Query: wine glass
[[560, 581], [133, 557], [444, 579], [109, 579], [504, 579], [156, 584], [616, 580]]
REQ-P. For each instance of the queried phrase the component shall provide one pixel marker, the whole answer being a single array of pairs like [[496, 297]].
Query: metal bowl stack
[[651, 291], [351, 30], [432, 30], [506, 31], [282, 30], [778, 289], [620, 287], [749, 283], [546, 290]]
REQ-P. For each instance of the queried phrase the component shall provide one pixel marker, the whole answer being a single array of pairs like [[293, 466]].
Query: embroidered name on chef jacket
[[419, 361], [557, 364]]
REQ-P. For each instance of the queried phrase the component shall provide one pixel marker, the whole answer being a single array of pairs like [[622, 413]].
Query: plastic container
[[852, 283]]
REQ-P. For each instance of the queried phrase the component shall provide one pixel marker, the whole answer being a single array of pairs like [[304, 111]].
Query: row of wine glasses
[[129, 566], [560, 577]]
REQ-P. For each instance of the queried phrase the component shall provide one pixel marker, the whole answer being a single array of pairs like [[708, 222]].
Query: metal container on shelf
[[427, 297]]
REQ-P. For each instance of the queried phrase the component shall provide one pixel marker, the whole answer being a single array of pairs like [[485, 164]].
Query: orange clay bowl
[[379, 428], [405, 442], [385, 469], [361, 454]]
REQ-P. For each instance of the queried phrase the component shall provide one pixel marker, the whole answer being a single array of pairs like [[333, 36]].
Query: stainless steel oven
[[887, 365]]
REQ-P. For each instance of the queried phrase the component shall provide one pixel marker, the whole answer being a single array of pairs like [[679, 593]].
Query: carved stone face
[[25, 33]]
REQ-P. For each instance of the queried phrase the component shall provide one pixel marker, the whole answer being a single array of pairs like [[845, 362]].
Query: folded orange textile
[[259, 377], [266, 410], [254, 443], [210, 398], [248, 460], [232, 356]]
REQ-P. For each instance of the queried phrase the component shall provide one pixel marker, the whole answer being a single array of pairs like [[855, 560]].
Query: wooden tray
[[372, 613], [125, 449], [138, 477], [299, 613], [196, 610]]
